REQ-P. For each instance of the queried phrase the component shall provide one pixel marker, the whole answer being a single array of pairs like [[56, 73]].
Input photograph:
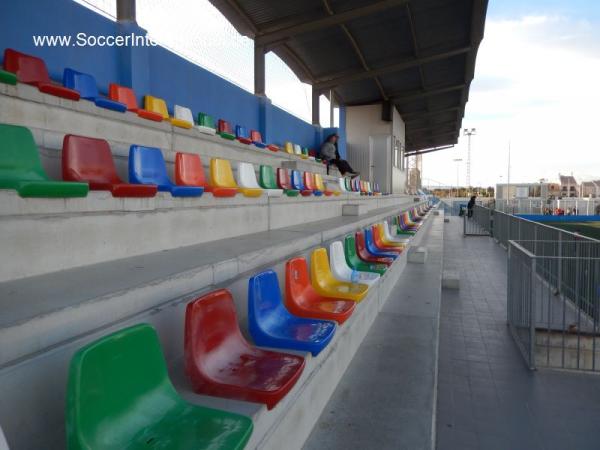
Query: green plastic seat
[[205, 120], [120, 397], [8, 77], [21, 169], [267, 178], [358, 264]]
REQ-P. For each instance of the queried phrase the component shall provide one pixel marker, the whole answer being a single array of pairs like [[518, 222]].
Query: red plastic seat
[[189, 170], [32, 70], [220, 362], [382, 245], [89, 160], [127, 96], [302, 300], [363, 252]]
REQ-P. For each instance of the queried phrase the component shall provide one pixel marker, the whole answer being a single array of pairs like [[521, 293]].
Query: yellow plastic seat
[[327, 285], [320, 184], [159, 106], [289, 147], [382, 237], [221, 179]]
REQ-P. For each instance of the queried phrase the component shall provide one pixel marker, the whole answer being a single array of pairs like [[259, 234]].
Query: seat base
[[244, 140], [50, 189], [133, 190], [186, 191], [274, 192], [106, 103], [336, 310], [228, 136], [306, 193], [259, 144], [292, 192], [181, 123], [149, 115], [223, 191], [205, 130], [8, 77], [58, 91], [251, 192], [273, 148]]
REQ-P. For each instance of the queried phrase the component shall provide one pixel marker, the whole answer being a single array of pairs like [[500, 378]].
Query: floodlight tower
[[469, 132]]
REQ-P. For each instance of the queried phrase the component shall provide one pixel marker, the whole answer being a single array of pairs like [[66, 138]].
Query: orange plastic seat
[[126, 95], [189, 170], [302, 300], [222, 183], [380, 236], [309, 183]]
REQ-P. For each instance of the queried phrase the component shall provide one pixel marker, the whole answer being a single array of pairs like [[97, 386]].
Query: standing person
[[329, 153], [470, 206]]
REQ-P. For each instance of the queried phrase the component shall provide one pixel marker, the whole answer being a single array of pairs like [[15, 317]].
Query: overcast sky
[[537, 85]]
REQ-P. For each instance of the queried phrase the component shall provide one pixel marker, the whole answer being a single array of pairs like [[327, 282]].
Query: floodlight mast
[[469, 132]]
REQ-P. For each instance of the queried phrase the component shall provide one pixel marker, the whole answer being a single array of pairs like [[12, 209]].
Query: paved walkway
[[487, 398]]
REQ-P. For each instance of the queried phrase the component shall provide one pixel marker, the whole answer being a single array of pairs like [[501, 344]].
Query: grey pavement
[[385, 400], [487, 398]]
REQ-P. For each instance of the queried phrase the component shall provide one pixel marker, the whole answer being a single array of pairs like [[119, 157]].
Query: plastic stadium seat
[[409, 222], [304, 154], [299, 185], [126, 95], [256, 139], [32, 70], [147, 166], [247, 180], [85, 84], [289, 148], [90, 160], [342, 183], [271, 325], [221, 363], [389, 237], [312, 154], [268, 182], [7, 78], [403, 228], [298, 150], [119, 396], [283, 181], [327, 285], [380, 244], [302, 300], [375, 250], [206, 124], [189, 170], [320, 185], [354, 262], [21, 169], [224, 130], [364, 253], [340, 269], [241, 134], [309, 183], [159, 106], [415, 216], [273, 147], [222, 183]]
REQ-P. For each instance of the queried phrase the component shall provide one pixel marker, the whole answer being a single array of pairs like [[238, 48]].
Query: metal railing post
[[532, 309]]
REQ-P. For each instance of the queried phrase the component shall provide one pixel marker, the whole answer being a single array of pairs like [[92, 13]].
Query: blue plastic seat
[[373, 248], [147, 166], [241, 134], [271, 324], [85, 84], [298, 184]]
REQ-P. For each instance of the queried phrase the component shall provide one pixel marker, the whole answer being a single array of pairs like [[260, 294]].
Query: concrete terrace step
[[37, 382], [42, 311]]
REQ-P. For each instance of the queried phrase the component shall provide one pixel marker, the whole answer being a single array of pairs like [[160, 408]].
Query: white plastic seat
[[247, 180], [183, 113], [297, 150], [389, 237], [342, 271], [342, 184]]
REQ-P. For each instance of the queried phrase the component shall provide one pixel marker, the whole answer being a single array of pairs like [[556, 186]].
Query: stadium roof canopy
[[419, 55]]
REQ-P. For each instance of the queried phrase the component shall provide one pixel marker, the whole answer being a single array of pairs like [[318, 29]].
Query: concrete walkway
[[386, 398], [487, 398]]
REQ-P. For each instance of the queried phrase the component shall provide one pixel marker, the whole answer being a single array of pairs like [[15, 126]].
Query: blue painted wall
[[149, 70]]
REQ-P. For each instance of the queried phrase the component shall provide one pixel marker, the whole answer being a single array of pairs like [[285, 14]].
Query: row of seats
[[77, 85], [119, 393], [87, 163]]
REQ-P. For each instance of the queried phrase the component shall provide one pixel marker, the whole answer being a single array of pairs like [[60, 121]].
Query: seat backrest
[[312, 152], [156, 105], [29, 69], [283, 179], [350, 249], [305, 151], [183, 113], [309, 181], [241, 132], [124, 95], [319, 184], [255, 136], [19, 157], [189, 170], [119, 379], [297, 149], [147, 166], [264, 300], [297, 280], [348, 184], [221, 174], [211, 328], [224, 127], [204, 120], [289, 147], [84, 83], [338, 260], [247, 176], [297, 181], [267, 178], [89, 160]]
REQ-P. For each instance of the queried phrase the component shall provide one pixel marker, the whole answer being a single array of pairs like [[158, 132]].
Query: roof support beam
[[393, 68], [316, 120], [419, 115], [427, 93], [259, 71], [429, 150], [410, 130], [126, 11], [326, 22]]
